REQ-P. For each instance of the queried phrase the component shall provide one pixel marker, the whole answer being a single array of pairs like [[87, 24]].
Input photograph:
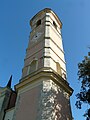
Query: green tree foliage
[[84, 77]]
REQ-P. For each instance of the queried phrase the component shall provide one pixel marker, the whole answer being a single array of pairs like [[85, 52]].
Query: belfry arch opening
[[38, 23], [54, 24], [32, 67]]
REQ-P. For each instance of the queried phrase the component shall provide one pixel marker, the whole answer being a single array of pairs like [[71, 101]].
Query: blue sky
[[15, 30]]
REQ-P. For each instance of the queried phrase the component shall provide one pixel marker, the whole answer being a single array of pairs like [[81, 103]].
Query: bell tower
[[43, 92], [45, 49]]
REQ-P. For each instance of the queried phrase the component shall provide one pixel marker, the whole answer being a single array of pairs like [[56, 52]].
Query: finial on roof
[[9, 82]]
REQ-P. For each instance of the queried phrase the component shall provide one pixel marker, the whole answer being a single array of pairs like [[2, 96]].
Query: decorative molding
[[45, 72]]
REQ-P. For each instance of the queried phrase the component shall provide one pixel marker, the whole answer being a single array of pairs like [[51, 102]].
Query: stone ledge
[[44, 72]]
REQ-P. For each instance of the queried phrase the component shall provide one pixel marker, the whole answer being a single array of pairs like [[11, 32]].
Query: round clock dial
[[36, 36]]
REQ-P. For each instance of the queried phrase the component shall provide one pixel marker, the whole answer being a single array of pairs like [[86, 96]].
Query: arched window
[[32, 67], [54, 24], [38, 23], [58, 68]]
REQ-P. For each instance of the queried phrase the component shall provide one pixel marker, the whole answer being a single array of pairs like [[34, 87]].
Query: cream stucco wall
[[27, 105]]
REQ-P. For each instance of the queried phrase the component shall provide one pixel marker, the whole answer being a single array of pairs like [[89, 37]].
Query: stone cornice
[[47, 10], [44, 73]]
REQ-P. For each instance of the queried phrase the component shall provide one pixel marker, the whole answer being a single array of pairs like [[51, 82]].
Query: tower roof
[[47, 10]]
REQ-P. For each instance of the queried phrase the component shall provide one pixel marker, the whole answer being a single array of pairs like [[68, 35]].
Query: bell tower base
[[43, 95]]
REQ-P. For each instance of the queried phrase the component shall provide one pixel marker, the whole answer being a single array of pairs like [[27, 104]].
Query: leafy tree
[[84, 77]]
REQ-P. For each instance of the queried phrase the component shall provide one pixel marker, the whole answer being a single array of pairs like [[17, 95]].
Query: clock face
[[37, 36]]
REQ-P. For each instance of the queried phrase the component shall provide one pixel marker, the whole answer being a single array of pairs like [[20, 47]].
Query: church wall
[[4, 100], [9, 114], [27, 102]]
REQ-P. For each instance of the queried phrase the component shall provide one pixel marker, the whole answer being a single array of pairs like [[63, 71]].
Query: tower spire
[[9, 82]]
